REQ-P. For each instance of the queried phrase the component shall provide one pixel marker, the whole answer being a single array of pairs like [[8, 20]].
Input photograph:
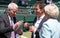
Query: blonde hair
[[12, 5], [52, 10]]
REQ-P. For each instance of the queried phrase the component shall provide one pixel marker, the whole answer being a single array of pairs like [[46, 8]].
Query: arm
[[45, 32]]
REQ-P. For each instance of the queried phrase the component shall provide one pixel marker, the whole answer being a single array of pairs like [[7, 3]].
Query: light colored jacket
[[50, 29]]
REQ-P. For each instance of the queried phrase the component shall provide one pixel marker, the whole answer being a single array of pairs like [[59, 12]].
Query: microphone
[[21, 23]]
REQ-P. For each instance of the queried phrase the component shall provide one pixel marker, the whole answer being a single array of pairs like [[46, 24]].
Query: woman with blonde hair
[[50, 28]]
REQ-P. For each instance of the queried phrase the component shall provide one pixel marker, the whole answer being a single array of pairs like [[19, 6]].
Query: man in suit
[[8, 22], [38, 21]]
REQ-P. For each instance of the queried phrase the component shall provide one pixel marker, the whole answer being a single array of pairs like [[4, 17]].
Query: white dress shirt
[[37, 24]]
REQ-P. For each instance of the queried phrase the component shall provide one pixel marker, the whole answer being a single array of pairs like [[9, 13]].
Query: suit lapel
[[35, 20], [6, 19], [40, 25], [38, 29]]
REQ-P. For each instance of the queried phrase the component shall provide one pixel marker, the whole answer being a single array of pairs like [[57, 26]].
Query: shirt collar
[[10, 17], [40, 17]]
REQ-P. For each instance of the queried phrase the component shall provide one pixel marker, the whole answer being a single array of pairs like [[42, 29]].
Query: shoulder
[[51, 24], [3, 15], [51, 21]]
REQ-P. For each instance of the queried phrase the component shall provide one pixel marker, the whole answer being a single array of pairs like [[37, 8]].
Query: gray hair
[[52, 10], [12, 5]]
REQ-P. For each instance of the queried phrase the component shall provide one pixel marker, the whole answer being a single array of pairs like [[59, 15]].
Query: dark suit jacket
[[39, 27], [5, 28]]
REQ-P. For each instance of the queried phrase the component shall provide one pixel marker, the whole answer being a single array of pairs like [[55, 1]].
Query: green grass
[[26, 34]]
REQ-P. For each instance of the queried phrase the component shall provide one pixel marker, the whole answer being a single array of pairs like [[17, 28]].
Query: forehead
[[13, 8], [36, 6]]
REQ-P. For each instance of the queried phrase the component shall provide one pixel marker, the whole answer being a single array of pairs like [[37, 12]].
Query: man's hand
[[31, 28], [26, 24], [17, 25]]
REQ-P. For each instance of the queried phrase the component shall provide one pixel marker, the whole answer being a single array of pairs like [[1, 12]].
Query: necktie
[[12, 33]]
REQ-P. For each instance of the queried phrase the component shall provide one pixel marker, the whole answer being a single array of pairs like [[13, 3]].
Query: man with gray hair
[[50, 28], [8, 22]]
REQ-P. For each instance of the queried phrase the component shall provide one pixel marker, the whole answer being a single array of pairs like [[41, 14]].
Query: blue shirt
[[50, 29]]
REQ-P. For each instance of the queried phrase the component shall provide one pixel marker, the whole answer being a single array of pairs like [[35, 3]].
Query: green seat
[[19, 17], [2, 11], [30, 18]]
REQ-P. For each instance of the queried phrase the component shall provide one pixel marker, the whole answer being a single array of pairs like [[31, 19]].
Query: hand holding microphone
[[26, 25], [17, 25]]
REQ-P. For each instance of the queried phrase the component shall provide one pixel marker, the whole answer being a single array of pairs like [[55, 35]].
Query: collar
[[40, 17], [9, 17]]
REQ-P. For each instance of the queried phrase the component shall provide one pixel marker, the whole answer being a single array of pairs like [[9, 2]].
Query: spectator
[[8, 22], [50, 28], [38, 21]]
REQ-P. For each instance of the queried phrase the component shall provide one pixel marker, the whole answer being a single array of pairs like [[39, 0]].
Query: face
[[37, 10], [12, 12]]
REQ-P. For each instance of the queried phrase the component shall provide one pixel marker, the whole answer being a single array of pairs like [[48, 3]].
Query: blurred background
[[25, 11]]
